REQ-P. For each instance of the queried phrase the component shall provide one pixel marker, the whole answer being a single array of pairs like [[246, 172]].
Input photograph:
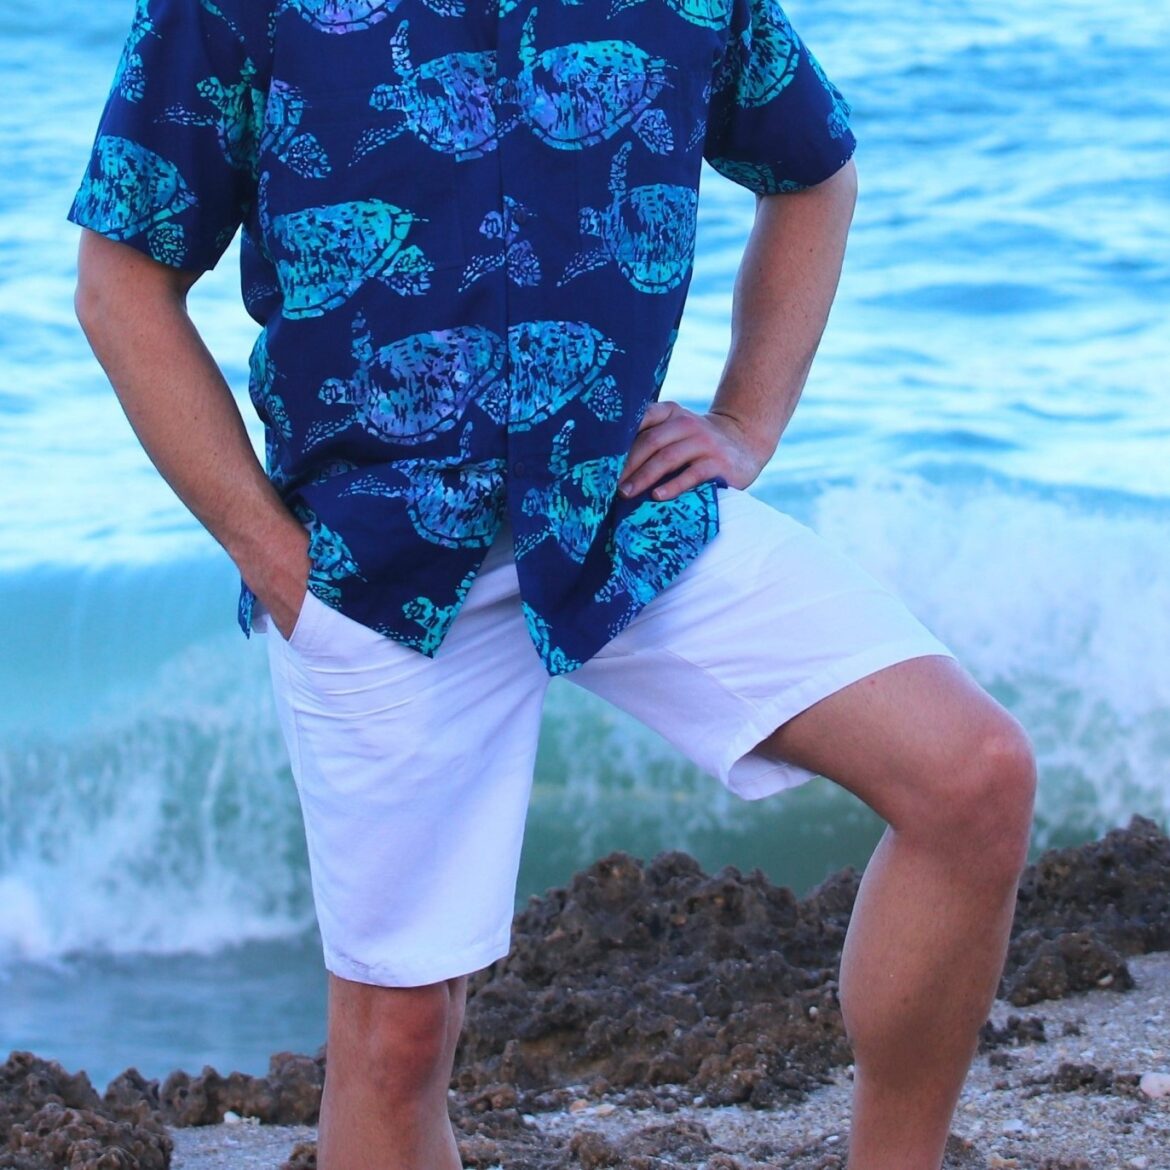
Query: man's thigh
[[916, 736], [767, 623]]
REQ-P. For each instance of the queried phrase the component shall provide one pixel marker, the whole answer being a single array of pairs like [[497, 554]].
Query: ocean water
[[986, 429]]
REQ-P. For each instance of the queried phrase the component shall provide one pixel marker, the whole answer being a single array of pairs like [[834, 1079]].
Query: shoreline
[[1064, 1103], [651, 1015]]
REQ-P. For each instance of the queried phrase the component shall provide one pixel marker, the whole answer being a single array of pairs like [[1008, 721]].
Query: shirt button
[[518, 467]]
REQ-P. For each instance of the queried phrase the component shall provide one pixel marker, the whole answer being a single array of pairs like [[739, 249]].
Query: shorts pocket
[[325, 642], [303, 627]]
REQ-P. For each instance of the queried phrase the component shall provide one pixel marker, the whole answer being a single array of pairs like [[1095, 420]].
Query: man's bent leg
[[953, 776], [388, 1068]]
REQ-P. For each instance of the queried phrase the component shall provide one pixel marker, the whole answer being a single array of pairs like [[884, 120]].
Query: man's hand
[[280, 578], [683, 449]]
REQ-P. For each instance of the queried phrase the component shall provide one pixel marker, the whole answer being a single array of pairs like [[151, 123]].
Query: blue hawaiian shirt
[[468, 230]]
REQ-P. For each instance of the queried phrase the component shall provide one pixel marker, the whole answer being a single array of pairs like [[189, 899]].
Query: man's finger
[[657, 465], [656, 414], [649, 442], [690, 476]]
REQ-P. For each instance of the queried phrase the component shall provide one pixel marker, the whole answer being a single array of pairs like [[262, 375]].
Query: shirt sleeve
[[776, 122], [173, 168]]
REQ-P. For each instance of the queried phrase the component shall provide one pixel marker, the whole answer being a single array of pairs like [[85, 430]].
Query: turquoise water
[[986, 428]]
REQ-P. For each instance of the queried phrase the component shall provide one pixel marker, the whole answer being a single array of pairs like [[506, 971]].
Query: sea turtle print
[[215, 10], [550, 364], [447, 103], [570, 510], [516, 256], [415, 388], [130, 78], [838, 119], [330, 252], [768, 57], [509, 6], [330, 558], [538, 630], [649, 232], [262, 390], [450, 502], [349, 16], [278, 428], [326, 471], [663, 366], [274, 467], [238, 109], [654, 543], [705, 13], [582, 93], [283, 112], [756, 176], [434, 620], [131, 191]]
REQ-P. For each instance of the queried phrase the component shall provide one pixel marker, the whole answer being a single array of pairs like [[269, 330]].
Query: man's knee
[[399, 1040], [984, 810]]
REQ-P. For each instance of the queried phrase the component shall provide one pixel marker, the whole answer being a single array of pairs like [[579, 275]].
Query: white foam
[[168, 824], [23, 930]]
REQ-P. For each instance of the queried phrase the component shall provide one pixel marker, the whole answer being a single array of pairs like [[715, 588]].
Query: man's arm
[[783, 292], [134, 313]]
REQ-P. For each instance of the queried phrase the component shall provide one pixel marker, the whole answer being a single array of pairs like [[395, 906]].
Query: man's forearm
[[134, 314], [783, 292]]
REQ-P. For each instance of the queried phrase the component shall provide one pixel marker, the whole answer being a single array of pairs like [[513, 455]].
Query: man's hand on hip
[[682, 448]]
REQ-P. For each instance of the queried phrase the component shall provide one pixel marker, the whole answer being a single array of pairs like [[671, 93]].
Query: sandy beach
[[1063, 1093]]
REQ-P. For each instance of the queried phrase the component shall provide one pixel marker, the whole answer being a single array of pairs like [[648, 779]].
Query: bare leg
[[952, 775], [388, 1067]]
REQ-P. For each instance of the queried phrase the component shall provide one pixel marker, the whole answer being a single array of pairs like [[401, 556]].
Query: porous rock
[[1078, 960], [59, 1138], [303, 1157], [659, 974], [1082, 910], [290, 1094], [1073, 1077], [1016, 1032], [27, 1083], [52, 1118], [1115, 886]]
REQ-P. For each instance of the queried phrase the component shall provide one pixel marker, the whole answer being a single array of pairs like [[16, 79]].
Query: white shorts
[[414, 773]]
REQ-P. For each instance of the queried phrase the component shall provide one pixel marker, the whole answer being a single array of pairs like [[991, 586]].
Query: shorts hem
[[767, 777], [421, 974]]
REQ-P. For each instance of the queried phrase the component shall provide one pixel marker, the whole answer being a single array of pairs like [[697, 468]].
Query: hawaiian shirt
[[468, 231]]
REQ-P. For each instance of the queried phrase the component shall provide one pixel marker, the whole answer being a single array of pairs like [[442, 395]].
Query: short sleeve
[[776, 122], [172, 171]]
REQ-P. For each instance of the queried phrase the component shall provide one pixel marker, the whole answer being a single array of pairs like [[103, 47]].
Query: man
[[467, 237]]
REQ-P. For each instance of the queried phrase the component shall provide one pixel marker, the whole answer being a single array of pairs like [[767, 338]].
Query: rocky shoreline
[[651, 1015]]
